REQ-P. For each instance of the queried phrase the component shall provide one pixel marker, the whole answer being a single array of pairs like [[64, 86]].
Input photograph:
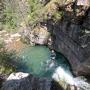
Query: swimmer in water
[[53, 55]]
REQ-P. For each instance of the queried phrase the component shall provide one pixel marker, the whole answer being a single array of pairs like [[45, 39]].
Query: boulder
[[39, 35], [25, 81]]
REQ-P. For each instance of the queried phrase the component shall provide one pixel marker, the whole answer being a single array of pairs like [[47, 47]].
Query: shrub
[[6, 66], [6, 61]]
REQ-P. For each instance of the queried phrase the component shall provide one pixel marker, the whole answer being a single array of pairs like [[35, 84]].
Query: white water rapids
[[65, 78]]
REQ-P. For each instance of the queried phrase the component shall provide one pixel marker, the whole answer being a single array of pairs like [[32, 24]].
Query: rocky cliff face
[[71, 36]]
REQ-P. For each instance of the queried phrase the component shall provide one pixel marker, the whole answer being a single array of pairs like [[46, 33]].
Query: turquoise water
[[36, 60]]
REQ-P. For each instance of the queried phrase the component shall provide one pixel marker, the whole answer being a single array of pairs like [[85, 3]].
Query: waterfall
[[62, 77], [65, 78], [82, 83]]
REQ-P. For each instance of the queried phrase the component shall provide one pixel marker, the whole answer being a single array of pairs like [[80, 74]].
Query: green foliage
[[10, 18], [6, 67], [1, 14], [7, 17], [6, 61], [34, 5], [19, 13], [35, 10], [12, 15], [1, 43], [57, 15]]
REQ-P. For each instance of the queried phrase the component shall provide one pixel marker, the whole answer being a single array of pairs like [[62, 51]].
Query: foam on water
[[61, 74], [81, 83], [65, 78]]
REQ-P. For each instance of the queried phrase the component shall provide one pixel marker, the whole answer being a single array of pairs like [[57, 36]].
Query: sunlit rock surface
[[83, 2], [38, 35]]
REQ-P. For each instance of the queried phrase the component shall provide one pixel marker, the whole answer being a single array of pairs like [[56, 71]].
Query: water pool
[[36, 60]]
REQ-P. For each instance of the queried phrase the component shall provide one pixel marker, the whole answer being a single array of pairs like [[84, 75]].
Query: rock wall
[[71, 36]]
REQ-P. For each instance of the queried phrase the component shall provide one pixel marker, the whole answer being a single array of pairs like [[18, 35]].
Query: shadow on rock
[[25, 81]]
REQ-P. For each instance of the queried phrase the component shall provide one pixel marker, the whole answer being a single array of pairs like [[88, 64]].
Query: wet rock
[[83, 2], [56, 86]]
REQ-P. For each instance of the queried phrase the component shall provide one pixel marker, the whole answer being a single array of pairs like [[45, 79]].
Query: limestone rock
[[39, 35], [83, 2]]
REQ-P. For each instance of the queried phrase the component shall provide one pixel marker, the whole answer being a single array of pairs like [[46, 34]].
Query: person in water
[[53, 55], [51, 63]]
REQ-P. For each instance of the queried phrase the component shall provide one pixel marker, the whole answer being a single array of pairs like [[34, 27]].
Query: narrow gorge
[[51, 47]]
